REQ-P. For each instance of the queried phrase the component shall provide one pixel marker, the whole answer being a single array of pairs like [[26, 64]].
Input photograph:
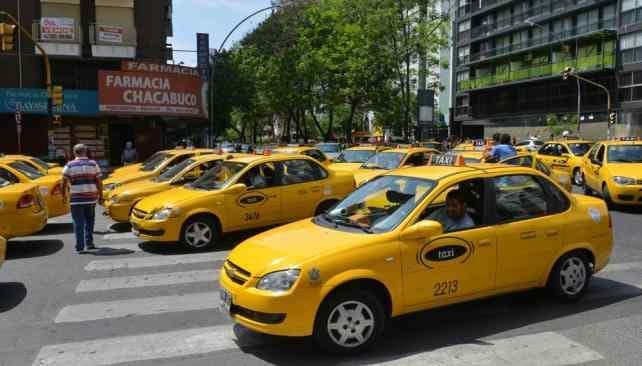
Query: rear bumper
[[27, 224], [56, 207]]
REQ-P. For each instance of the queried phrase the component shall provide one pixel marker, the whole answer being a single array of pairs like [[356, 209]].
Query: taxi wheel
[[570, 277], [606, 195], [199, 232], [578, 178], [587, 190], [349, 321]]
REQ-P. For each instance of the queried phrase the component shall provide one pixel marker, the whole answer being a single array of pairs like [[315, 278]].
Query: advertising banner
[[34, 101], [151, 93], [57, 29], [109, 33], [137, 66]]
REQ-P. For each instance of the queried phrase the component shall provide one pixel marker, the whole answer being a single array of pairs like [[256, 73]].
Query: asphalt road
[[136, 303]]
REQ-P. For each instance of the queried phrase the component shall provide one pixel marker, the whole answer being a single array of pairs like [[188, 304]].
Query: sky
[[216, 17]]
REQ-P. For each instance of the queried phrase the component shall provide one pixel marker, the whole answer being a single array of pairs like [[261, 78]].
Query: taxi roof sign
[[446, 160]]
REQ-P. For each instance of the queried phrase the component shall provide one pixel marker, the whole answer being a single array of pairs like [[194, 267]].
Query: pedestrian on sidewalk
[[129, 155], [82, 176]]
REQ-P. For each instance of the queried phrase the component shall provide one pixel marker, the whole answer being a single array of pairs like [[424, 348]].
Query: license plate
[[225, 304]]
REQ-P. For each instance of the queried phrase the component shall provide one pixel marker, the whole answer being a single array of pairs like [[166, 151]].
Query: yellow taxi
[[35, 163], [311, 151], [122, 199], [22, 211], [567, 155], [387, 160], [50, 186], [432, 144], [3, 250], [152, 167], [391, 248], [242, 193], [531, 160], [613, 169], [351, 159]]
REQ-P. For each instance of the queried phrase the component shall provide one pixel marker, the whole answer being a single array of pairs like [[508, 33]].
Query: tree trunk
[[330, 122]]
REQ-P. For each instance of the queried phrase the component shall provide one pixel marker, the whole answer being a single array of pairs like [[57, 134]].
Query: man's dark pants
[[83, 217]]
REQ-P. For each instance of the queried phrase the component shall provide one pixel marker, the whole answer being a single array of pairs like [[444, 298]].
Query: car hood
[[143, 187], [345, 167], [171, 198], [292, 246], [127, 178], [363, 175], [630, 170], [54, 171]]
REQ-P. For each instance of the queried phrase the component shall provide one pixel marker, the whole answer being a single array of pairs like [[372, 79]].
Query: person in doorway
[[504, 150], [129, 155], [453, 216], [82, 177]]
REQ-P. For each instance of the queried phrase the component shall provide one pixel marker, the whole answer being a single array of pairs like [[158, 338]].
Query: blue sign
[[203, 54], [34, 101]]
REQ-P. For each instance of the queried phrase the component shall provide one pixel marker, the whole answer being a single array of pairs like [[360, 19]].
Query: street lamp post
[[214, 60]]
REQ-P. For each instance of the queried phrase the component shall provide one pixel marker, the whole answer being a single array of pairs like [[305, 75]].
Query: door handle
[[484, 243], [315, 189], [528, 235], [553, 232], [272, 196], [302, 191]]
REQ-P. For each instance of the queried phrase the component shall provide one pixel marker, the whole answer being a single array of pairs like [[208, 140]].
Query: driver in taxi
[[453, 216]]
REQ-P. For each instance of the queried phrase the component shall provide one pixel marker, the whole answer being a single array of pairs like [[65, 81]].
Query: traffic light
[[57, 120], [567, 72], [612, 118], [57, 98], [6, 36]]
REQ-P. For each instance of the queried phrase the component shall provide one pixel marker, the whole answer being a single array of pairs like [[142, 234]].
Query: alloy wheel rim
[[351, 324], [198, 235], [572, 276]]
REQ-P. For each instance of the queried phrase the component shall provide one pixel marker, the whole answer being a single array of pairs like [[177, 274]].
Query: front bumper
[[118, 212], [626, 195], [159, 231], [291, 314]]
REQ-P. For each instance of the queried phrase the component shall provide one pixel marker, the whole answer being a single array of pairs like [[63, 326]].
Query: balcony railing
[[581, 64], [112, 35], [546, 39], [56, 33]]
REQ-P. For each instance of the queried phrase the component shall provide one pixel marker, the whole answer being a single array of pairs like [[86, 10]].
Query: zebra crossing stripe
[[154, 261], [548, 348], [147, 280], [138, 307], [142, 347], [119, 236], [627, 266]]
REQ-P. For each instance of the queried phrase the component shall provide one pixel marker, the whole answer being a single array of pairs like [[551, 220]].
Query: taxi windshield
[[155, 161], [379, 205], [218, 176], [173, 171], [354, 156], [25, 169], [384, 160], [329, 148], [580, 149], [625, 154], [39, 163]]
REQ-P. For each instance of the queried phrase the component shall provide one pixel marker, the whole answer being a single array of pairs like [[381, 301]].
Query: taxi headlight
[[623, 180], [278, 281], [165, 213], [111, 186]]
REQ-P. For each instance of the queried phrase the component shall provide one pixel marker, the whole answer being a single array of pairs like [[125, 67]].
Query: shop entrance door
[[118, 136]]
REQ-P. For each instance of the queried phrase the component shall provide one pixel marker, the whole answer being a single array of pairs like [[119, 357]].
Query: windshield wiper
[[344, 221]]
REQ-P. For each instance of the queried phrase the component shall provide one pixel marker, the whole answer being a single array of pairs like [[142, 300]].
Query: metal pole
[[215, 58], [579, 103], [608, 100], [19, 5]]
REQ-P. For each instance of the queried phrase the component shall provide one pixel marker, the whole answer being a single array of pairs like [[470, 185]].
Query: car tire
[[199, 232], [587, 190], [324, 206], [578, 177], [606, 195], [570, 277], [349, 322]]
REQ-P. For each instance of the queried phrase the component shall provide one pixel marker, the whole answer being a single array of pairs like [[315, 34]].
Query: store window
[[115, 22]]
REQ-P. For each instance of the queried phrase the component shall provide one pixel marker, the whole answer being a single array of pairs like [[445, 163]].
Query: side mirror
[[237, 189], [422, 230]]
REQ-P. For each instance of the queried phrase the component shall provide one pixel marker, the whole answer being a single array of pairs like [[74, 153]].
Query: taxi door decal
[[251, 199], [444, 250]]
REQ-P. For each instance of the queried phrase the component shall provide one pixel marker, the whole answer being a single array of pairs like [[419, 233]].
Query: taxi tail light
[[267, 152], [460, 161], [57, 190], [26, 201]]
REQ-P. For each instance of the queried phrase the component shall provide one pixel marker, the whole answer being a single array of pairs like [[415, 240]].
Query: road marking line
[[151, 346], [119, 236], [627, 266], [138, 307], [160, 279], [548, 348], [155, 261]]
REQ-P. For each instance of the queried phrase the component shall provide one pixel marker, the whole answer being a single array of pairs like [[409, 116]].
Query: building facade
[[81, 37], [509, 55]]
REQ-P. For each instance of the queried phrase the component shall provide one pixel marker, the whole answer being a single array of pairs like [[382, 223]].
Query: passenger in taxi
[[454, 215]]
